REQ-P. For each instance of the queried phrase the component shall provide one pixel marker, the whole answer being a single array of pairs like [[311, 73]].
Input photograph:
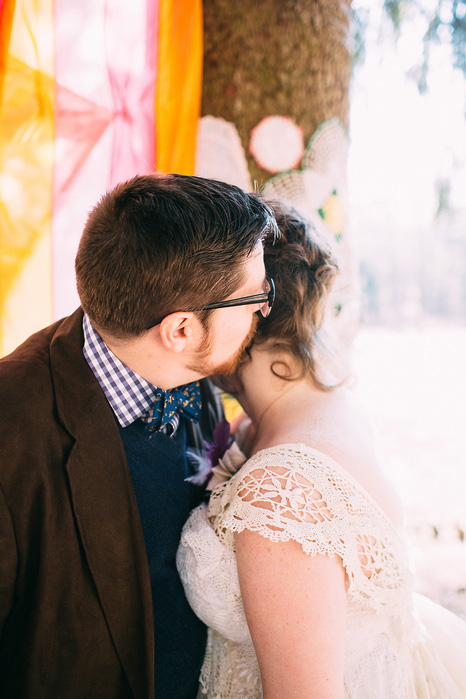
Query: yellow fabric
[[333, 213], [28, 149], [231, 407], [179, 76], [26, 166]]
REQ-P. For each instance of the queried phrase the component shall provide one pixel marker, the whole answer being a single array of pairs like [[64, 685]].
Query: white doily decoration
[[276, 143], [306, 180], [308, 189], [327, 152], [323, 170], [220, 154]]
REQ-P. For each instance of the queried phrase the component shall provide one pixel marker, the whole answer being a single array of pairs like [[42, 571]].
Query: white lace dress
[[398, 644]]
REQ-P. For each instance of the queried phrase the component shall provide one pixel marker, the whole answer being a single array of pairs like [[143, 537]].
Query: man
[[93, 490]]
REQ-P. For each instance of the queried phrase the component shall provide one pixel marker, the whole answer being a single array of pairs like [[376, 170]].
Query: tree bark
[[286, 57]]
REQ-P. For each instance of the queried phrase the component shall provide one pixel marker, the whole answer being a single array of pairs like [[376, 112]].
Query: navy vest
[[158, 467]]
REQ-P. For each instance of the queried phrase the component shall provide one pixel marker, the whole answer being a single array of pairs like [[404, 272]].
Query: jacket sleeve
[[8, 561]]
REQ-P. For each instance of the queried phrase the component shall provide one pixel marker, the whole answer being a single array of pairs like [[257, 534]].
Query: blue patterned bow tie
[[185, 400]]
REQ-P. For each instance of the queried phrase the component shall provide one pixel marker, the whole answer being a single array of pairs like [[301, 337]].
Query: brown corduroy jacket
[[76, 616]]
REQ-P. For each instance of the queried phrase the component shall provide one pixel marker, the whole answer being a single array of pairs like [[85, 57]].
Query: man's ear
[[179, 331]]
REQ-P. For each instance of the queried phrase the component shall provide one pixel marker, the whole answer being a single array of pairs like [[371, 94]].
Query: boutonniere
[[219, 460]]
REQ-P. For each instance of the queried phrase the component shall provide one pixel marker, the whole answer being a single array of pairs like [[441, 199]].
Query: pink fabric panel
[[105, 71]]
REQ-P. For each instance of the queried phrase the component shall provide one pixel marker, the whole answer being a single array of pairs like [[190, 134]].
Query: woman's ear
[[179, 331]]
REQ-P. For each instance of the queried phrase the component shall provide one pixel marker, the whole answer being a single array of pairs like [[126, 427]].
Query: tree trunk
[[267, 57], [286, 58]]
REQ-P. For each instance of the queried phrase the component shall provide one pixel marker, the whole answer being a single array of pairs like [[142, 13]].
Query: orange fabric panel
[[179, 79], [7, 9]]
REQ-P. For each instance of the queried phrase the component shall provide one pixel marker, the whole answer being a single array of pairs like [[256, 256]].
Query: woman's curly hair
[[303, 268]]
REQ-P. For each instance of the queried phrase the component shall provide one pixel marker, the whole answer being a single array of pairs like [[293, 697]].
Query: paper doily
[[276, 143], [219, 153]]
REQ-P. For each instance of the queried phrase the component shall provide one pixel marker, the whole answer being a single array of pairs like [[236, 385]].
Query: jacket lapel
[[105, 507]]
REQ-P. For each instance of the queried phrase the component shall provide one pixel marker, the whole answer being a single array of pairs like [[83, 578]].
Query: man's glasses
[[267, 298]]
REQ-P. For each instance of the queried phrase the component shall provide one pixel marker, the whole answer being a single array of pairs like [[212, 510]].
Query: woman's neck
[[271, 402]]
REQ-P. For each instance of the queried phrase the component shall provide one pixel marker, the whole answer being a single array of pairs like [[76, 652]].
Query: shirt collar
[[130, 396]]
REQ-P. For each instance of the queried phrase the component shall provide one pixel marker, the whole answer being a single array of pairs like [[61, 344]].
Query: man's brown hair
[[164, 243]]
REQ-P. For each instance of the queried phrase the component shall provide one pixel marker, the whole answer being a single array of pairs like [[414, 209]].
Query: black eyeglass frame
[[268, 296]]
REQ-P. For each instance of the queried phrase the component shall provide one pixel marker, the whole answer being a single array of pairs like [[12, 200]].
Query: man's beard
[[230, 366]]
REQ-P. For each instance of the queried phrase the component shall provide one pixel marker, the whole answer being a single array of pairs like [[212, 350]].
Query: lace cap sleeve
[[282, 497], [293, 492]]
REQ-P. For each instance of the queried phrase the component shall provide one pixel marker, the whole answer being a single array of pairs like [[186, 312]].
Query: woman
[[298, 564]]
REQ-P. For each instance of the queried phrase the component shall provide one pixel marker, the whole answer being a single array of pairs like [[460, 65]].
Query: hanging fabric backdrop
[[91, 93]]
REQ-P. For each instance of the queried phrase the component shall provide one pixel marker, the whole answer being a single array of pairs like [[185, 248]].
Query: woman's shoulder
[[295, 492], [331, 422], [317, 468], [316, 462], [339, 437], [287, 473]]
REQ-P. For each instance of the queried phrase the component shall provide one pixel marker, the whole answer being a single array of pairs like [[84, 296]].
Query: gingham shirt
[[130, 396]]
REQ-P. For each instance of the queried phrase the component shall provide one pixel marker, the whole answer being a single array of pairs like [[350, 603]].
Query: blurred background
[[355, 112], [407, 184]]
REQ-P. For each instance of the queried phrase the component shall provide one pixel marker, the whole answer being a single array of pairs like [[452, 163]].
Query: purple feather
[[222, 441], [205, 461]]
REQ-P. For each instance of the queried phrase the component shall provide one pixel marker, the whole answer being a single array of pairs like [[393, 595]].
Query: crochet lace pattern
[[294, 492]]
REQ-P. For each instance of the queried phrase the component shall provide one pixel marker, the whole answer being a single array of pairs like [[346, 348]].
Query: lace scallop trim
[[292, 492]]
